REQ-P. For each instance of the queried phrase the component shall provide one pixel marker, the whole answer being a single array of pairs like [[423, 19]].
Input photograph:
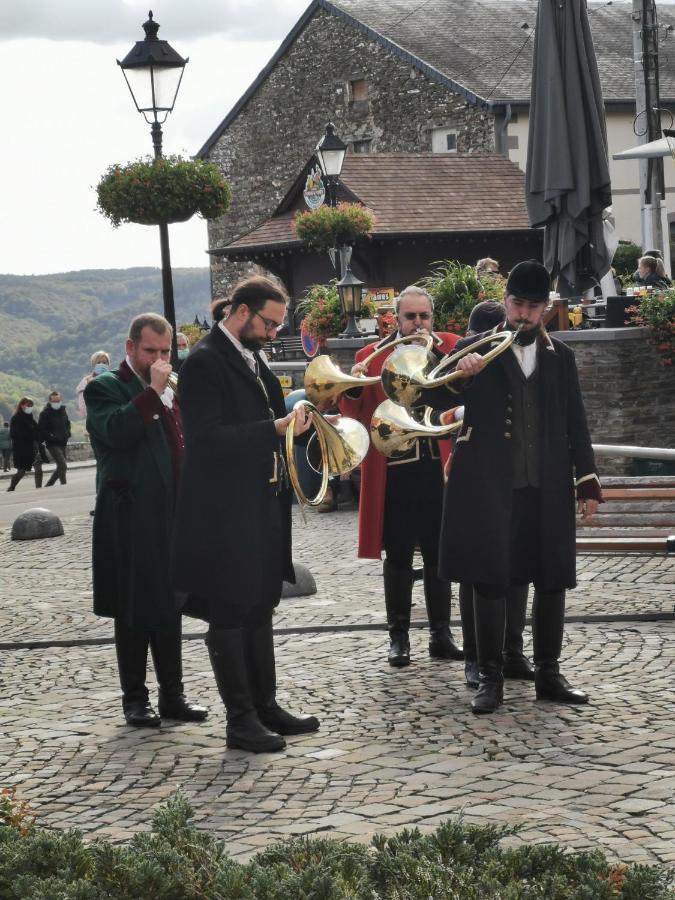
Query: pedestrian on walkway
[[401, 499], [54, 427], [135, 427], [509, 501], [6, 447], [25, 436], [100, 363], [232, 545]]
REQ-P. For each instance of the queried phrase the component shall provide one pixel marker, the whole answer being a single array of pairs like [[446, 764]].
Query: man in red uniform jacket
[[401, 499]]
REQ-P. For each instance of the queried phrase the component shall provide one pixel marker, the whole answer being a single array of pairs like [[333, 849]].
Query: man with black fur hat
[[509, 501]]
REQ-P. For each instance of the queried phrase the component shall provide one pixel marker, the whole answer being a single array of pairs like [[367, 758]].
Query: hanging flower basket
[[158, 191], [328, 226], [657, 312]]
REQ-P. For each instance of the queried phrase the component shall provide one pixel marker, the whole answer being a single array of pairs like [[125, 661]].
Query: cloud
[[119, 21]]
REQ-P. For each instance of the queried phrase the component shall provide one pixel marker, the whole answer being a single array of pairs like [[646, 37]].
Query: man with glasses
[[232, 546], [401, 500]]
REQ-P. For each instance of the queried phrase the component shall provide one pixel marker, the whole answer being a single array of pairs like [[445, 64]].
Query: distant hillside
[[51, 324]]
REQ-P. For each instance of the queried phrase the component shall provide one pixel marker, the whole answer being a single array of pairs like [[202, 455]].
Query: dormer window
[[358, 90], [443, 140]]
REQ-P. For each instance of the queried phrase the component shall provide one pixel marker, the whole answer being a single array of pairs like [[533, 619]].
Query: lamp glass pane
[[331, 161], [167, 80], [140, 84]]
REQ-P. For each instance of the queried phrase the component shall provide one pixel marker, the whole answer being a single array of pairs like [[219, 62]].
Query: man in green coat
[[135, 427]]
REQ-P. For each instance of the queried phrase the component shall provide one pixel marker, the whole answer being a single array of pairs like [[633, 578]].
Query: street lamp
[[330, 152], [153, 72], [350, 290]]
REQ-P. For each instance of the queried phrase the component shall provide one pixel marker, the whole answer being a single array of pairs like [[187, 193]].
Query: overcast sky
[[67, 114]]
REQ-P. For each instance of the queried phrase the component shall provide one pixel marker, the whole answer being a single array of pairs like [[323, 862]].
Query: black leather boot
[[468, 635], [489, 615], [262, 669], [165, 647], [245, 731], [131, 645], [548, 624], [398, 598], [437, 598], [516, 664]]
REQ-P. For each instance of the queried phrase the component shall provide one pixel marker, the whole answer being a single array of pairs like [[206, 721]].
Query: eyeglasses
[[411, 316], [268, 323]]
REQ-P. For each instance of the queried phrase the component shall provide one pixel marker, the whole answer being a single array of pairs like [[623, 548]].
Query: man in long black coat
[[509, 511], [135, 428], [232, 547]]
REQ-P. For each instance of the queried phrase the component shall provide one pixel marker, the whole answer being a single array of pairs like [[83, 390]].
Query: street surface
[[397, 748], [73, 498]]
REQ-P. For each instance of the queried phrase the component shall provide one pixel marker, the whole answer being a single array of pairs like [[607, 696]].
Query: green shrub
[[321, 311], [456, 289], [657, 311], [626, 258], [179, 862], [171, 189]]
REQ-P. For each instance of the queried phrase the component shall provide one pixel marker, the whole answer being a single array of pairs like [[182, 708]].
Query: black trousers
[[412, 512]]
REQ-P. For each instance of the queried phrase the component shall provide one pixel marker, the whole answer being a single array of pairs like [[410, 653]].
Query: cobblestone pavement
[[396, 748]]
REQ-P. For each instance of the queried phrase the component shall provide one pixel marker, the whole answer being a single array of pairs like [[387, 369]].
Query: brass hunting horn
[[342, 447], [409, 371], [325, 381], [393, 430]]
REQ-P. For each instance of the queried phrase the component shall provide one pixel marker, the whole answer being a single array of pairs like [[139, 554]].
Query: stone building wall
[[274, 135]]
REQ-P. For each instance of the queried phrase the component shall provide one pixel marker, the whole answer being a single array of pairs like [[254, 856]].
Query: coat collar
[[224, 345]]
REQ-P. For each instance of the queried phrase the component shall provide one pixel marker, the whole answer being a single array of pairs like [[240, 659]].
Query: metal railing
[[636, 452]]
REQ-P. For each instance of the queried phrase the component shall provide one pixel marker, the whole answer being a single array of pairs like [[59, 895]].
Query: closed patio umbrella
[[567, 181]]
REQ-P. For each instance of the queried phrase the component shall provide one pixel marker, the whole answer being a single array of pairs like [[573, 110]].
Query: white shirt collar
[[249, 355], [526, 356]]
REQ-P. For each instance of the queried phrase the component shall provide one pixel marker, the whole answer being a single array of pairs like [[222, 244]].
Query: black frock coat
[[232, 541], [475, 533]]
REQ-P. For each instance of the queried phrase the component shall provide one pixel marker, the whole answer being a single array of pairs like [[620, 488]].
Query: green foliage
[[328, 226], [57, 321], [456, 289], [179, 862], [322, 312], [626, 258], [171, 189], [658, 312]]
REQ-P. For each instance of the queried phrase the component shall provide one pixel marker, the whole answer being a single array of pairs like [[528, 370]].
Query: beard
[[526, 336], [251, 343]]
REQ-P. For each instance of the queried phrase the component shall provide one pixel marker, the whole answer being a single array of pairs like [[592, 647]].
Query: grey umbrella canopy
[[567, 181]]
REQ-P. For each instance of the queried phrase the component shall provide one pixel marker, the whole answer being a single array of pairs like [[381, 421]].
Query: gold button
[[509, 409], [507, 434], [508, 422]]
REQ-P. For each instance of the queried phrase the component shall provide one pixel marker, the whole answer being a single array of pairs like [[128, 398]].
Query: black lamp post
[[153, 72], [351, 293]]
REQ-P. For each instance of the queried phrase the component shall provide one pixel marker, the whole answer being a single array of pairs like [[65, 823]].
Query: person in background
[[100, 363], [6, 447], [183, 345], [487, 266], [25, 436], [647, 273], [54, 427]]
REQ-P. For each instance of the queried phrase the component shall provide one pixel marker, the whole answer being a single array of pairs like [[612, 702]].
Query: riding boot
[[166, 650], [548, 623], [131, 645], [262, 669], [398, 600], [437, 597], [489, 614], [468, 635], [227, 651], [52, 480], [516, 664]]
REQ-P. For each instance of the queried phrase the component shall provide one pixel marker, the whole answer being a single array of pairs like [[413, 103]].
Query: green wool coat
[[134, 505]]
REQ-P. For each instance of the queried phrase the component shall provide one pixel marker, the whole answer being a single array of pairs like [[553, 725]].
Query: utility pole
[[654, 213]]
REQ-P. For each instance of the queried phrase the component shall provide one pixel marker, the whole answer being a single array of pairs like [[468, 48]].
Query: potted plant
[[657, 311], [322, 313], [156, 191], [328, 227], [456, 289]]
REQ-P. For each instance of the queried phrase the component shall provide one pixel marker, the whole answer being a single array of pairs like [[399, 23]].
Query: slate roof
[[478, 49], [418, 193]]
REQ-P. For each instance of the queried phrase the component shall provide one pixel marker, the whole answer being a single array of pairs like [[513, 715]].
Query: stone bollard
[[36, 523], [304, 583]]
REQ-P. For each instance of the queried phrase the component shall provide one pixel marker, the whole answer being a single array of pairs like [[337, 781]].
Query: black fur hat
[[529, 280]]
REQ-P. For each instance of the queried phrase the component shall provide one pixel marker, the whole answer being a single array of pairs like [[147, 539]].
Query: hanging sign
[[381, 297], [309, 344], [315, 192]]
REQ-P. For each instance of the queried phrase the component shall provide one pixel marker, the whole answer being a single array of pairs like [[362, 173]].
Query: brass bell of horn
[[342, 447], [325, 381], [407, 373], [393, 430]]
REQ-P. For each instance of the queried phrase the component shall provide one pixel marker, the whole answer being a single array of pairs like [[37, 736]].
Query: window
[[512, 142], [443, 140], [361, 146], [358, 90]]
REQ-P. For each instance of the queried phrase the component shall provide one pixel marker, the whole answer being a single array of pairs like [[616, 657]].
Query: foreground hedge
[[178, 862]]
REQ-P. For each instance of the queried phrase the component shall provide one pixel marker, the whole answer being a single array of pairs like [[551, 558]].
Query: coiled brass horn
[[342, 446], [393, 430], [325, 381], [409, 371]]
